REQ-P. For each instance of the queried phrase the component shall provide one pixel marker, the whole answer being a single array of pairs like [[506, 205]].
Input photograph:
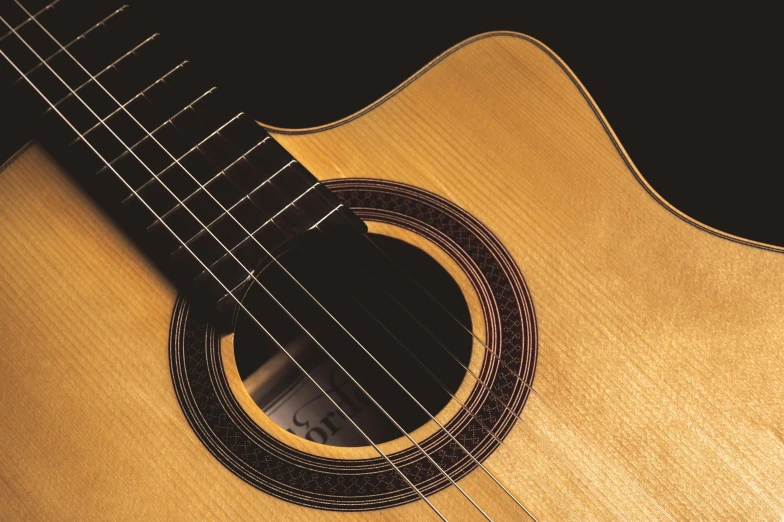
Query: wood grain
[[659, 391]]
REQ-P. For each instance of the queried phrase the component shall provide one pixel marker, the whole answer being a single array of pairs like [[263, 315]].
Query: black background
[[692, 94]]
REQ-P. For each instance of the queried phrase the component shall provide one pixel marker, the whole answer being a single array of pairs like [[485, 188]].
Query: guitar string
[[230, 253], [296, 281], [30, 19], [492, 353], [176, 160], [489, 431], [479, 380], [382, 454], [77, 39]]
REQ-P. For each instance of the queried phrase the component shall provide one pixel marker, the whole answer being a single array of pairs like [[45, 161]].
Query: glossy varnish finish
[[658, 385]]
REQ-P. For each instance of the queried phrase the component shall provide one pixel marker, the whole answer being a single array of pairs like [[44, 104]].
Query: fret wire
[[269, 179], [235, 205], [141, 93], [78, 38], [29, 19], [451, 480], [239, 302], [199, 144], [232, 207], [325, 217], [260, 227], [230, 165], [95, 76], [223, 171], [270, 220], [262, 142], [182, 156], [279, 212]]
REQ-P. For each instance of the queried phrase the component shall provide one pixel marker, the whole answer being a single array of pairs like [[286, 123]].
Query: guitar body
[[659, 390]]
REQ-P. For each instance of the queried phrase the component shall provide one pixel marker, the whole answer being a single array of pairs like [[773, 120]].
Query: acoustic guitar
[[462, 303]]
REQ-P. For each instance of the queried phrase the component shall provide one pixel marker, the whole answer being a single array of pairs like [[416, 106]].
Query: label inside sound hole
[[301, 408]]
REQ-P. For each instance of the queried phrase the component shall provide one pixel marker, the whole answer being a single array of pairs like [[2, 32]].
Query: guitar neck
[[201, 185]]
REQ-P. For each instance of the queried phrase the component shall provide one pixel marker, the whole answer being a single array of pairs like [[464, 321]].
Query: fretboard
[[207, 192]]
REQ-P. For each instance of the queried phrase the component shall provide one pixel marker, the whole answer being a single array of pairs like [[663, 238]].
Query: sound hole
[[371, 306]]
